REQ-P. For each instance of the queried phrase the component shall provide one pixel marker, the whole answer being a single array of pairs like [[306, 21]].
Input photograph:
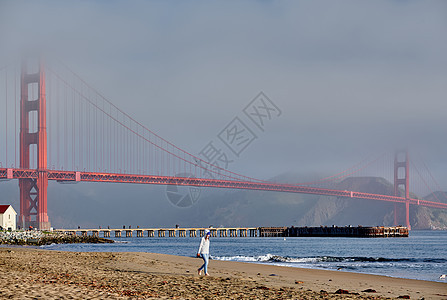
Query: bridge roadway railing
[[166, 232], [74, 176]]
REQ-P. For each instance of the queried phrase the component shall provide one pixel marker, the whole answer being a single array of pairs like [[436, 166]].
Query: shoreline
[[276, 260], [338, 271], [30, 246], [211, 259], [53, 274]]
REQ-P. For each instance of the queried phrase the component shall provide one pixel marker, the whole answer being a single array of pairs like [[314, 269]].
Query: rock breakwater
[[39, 238]]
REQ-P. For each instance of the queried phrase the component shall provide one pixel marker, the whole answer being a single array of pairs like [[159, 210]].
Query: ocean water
[[423, 255]]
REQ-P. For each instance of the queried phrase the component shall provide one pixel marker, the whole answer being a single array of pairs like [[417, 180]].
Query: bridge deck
[[72, 176]]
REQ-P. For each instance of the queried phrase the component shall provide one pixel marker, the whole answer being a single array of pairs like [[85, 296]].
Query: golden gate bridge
[[55, 126]]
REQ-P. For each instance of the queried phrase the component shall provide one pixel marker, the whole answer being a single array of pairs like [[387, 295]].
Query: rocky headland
[[39, 238]]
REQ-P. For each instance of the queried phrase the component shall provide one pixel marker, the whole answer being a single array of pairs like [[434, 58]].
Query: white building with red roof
[[8, 217]]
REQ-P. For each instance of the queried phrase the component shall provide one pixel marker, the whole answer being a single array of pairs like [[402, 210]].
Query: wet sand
[[41, 274]]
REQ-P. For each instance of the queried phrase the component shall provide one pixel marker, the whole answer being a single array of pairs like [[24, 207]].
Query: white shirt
[[204, 247]]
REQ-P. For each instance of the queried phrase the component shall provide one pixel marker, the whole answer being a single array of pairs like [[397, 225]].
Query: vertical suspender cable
[[96, 134], [65, 127], [81, 131], [129, 149], [137, 160], [122, 147], [58, 133], [111, 143], [73, 158], [155, 157], [15, 117], [87, 137], [6, 114], [121, 143], [116, 158], [128, 140], [126, 148], [90, 136], [103, 153]]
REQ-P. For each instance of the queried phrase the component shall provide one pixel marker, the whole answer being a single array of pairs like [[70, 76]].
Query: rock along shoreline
[[39, 238]]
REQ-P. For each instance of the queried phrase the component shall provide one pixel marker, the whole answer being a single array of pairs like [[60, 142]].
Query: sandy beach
[[29, 273]]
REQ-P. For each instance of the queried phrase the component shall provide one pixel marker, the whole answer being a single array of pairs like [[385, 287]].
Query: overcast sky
[[351, 78]]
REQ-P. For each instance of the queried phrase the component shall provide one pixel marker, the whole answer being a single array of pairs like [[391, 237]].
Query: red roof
[[3, 208]]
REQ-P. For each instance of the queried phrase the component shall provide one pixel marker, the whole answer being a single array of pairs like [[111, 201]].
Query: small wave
[[48, 246], [347, 268], [323, 259], [261, 258]]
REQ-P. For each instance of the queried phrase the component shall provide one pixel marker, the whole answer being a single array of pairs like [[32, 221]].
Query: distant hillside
[[438, 196], [347, 211], [363, 212], [430, 217], [252, 208]]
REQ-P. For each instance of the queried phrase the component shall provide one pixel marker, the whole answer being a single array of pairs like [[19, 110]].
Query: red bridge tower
[[33, 192], [401, 182]]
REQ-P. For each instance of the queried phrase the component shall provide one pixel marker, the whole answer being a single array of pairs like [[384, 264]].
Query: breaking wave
[[323, 259]]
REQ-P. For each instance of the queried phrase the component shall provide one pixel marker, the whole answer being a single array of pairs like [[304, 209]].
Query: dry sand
[[41, 274]]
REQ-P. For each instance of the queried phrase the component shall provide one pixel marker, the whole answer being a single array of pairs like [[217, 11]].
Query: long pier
[[166, 232], [322, 231], [347, 231]]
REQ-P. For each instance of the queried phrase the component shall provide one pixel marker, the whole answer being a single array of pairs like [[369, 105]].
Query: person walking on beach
[[204, 252]]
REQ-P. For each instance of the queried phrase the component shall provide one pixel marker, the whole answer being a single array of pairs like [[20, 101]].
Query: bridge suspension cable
[[121, 139], [429, 178]]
